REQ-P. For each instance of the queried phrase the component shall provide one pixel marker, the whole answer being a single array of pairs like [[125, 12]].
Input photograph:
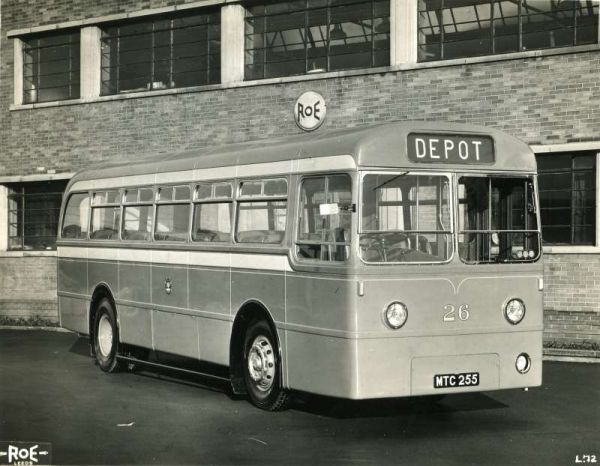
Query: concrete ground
[[51, 391]]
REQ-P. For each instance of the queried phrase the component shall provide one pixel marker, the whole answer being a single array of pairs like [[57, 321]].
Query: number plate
[[464, 379]]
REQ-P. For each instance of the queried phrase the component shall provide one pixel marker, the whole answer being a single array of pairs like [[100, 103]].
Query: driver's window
[[325, 218]]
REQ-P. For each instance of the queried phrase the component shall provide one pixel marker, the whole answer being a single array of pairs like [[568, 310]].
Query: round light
[[395, 315], [519, 254], [531, 254], [514, 311], [523, 363]]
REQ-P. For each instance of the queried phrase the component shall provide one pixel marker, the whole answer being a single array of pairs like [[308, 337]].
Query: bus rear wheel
[[262, 368], [106, 337]]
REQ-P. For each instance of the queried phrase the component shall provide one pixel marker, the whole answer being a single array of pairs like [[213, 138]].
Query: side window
[[325, 218], [172, 214], [137, 214], [75, 221], [212, 212], [106, 215], [262, 211]]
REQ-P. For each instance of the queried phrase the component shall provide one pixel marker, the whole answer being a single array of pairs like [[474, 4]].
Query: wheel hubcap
[[261, 363], [105, 336]]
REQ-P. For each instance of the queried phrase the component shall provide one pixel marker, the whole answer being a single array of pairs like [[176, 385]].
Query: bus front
[[450, 275]]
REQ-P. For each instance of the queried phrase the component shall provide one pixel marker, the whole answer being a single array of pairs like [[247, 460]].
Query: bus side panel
[[73, 308], [266, 287], [321, 351], [213, 337], [135, 325], [209, 290], [135, 322], [174, 330], [176, 333], [101, 271], [74, 314]]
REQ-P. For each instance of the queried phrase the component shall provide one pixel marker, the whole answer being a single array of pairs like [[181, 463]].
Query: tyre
[[106, 336], [262, 368]]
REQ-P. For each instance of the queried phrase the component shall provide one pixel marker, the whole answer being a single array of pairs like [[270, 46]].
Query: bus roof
[[383, 146]]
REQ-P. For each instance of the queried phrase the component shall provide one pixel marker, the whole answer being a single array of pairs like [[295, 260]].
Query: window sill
[[319, 76], [28, 253], [571, 249]]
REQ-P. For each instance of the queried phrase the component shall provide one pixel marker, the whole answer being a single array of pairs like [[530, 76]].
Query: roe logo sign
[[25, 453], [310, 110]]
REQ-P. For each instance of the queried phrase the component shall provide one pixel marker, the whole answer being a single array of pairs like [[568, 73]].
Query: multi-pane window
[[212, 212], [162, 53], [567, 186], [51, 67], [172, 214], [33, 211], [106, 215], [497, 219], [297, 37], [137, 214], [262, 211], [466, 28]]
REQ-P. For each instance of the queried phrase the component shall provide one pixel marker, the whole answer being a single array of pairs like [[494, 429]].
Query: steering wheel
[[376, 242]]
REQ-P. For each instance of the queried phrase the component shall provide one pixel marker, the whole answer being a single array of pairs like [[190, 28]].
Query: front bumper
[[394, 367]]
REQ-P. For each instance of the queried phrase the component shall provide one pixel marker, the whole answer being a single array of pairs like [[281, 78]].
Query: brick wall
[[572, 302], [544, 100], [28, 287], [531, 99]]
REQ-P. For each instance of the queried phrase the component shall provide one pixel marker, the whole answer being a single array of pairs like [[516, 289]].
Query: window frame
[[241, 199], [21, 197], [305, 32], [296, 242], [88, 220], [522, 20], [214, 200], [490, 176], [107, 88], [118, 204], [450, 176], [74, 56], [157, 202], [549, 151], [138, 203]]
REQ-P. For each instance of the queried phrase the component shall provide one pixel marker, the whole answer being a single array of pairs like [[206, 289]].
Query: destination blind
[[450, 148]]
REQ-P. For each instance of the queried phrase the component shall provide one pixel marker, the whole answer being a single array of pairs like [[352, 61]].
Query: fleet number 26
[[451, 312]]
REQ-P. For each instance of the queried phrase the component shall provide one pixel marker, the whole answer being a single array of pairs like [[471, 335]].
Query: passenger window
[[172, 214], [137, 214], [262, 211], [106, 215], [325, 218], [212, 212], [75, 221]]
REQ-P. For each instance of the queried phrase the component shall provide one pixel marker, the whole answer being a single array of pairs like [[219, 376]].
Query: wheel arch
[[250, 311], [101, 291]]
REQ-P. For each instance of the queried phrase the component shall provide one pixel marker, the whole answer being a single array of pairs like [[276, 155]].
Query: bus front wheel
[[106, 336], [262, 368]]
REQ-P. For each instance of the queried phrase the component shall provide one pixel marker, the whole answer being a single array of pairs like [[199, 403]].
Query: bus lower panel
[[73, 313], [394, 367]]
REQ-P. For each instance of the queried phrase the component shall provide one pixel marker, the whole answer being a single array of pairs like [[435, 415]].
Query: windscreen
[[497, 220], [405, 218]]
